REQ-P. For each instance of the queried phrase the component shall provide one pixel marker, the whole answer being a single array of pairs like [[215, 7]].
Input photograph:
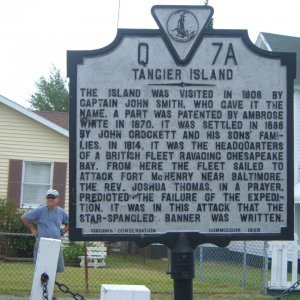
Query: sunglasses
[[50, 197]]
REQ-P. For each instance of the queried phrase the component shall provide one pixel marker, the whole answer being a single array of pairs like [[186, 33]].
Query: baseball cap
[[52, 192]]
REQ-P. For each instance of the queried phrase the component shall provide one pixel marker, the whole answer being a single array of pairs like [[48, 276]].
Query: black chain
[[44, 283], [288, 291], [66, 290]]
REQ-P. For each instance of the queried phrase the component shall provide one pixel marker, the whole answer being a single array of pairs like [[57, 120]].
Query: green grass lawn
[[219, 281]]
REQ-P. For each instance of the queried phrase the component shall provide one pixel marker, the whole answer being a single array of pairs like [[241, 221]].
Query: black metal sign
[[183, 129]]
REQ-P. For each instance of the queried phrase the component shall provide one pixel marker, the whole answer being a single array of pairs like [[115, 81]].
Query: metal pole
[[183, 289], [183, 268], [266, 268], [86, 271], [244, 280], [145, 255], [201, 271], [169, 261]]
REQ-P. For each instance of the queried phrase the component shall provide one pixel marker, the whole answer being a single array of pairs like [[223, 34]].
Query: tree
[[52, 93]]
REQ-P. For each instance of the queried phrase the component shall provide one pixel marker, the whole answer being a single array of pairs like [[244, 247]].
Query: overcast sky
[[37, 33]]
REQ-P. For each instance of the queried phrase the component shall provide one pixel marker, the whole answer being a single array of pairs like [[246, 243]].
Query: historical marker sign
[[181, 129]]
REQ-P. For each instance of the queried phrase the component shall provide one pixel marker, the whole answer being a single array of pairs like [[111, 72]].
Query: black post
[[183, 268]]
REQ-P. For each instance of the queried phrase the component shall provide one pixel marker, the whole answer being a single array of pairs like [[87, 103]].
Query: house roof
[[281, 43], [36, 117], [59, 118]]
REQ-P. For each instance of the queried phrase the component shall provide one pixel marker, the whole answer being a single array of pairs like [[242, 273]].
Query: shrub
[[73, 250], [10, 222], [7, 214]]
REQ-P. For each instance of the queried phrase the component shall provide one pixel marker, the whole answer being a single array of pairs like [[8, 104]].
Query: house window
[[36, 180]]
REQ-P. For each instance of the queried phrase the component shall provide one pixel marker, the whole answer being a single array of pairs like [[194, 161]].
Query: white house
[[34, 155], [282, 43]]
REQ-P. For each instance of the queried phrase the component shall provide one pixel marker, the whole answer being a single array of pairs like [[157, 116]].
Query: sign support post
[[183, 268]]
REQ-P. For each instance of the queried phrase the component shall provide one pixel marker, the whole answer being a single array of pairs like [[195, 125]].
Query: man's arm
[[29, 225], [65, 222], [65, 229]]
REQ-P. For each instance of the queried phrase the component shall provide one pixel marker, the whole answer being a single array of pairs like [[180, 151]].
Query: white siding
[[24, 138]]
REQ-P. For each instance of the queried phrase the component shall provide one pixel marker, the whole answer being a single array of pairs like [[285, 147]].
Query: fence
[[238, 268]]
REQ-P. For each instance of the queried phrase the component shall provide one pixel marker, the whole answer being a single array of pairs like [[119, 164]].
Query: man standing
[[52, 222]]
